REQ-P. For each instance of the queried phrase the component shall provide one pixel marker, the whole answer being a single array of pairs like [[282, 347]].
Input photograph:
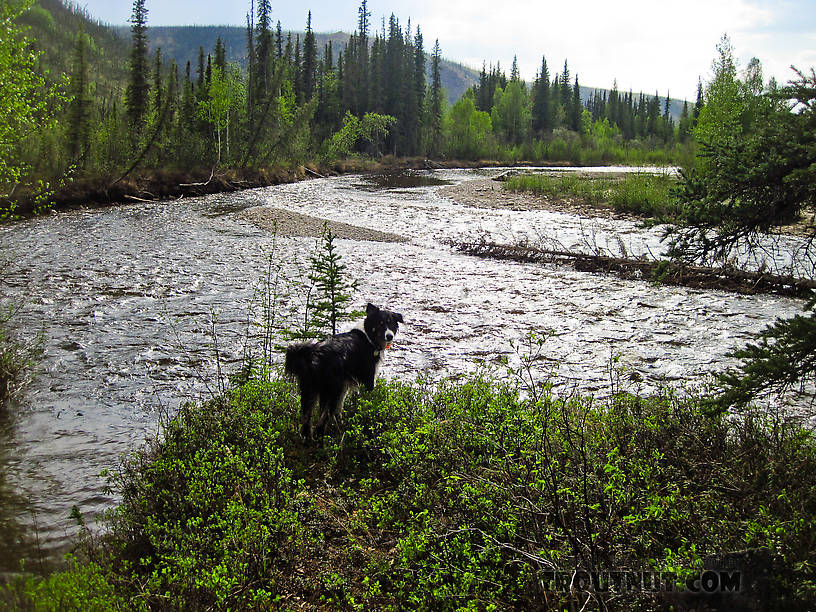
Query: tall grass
[[638, 193]]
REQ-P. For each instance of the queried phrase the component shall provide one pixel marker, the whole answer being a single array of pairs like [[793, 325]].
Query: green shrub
[[644, 194], [458, 495]]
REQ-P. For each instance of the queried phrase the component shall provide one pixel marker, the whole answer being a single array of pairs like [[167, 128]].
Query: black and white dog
[[328, 370]]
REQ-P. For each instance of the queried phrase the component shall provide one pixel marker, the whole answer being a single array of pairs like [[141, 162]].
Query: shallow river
[[127, 298]]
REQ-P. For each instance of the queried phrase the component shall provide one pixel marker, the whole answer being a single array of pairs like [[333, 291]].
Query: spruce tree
[[436, 101], [542, 112], [698, 105], [754, 182], [138, 88], [576, 109], [263, 51], [514, 71], [565, 90], [220, 55], [394, 71], [481, 99], [419, 81], [251, 69], [668, 122], [309, 61], [297, 67], [331, 287], [79, 111], [157, 80], [201, 72]]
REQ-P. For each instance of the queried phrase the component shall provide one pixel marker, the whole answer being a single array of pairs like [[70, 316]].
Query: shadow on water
[[18, 542], [405, 179]]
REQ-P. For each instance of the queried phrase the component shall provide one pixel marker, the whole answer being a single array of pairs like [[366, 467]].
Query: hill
[[181, 43], [53, 26]]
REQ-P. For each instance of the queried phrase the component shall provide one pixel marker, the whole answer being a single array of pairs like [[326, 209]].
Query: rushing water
[[127, 298]]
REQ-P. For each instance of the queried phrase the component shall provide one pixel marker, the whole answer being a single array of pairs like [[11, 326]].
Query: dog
[[326, 371]]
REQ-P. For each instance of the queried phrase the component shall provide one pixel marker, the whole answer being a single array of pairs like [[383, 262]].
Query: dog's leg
[[331, 407], [307, 403]]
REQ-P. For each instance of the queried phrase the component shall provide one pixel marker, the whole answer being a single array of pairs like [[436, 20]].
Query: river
[[127, 299]]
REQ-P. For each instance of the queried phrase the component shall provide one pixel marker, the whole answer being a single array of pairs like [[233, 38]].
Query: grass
[[648, 195], [461, 495]]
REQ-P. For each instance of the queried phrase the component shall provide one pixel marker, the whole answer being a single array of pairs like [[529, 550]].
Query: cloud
[[643, 44]]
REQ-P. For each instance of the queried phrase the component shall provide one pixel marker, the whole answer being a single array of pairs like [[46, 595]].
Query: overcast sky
[[643, 44]]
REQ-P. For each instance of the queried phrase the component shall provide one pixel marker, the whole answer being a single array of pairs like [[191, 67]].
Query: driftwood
[[313, 173], [127, 196], [207, 182], [662, 271]]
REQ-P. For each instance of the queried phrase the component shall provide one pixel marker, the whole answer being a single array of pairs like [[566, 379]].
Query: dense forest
[[115, 106]]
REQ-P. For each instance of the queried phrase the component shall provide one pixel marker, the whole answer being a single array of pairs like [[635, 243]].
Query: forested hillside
[[54, 27], [182, 44], [193, 100]]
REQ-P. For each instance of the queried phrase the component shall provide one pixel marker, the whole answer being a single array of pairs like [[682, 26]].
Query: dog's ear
[[399, 317], [371, 309]]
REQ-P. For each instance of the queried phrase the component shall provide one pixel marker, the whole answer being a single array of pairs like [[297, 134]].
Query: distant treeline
[[125, 106]]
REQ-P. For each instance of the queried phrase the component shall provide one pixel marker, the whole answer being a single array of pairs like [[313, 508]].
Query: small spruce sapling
[[330, 290]]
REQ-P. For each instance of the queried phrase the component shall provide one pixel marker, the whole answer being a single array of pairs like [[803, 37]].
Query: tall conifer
[[542, 110], [436, 101], [79, 111], [139, 86], [309, 61]]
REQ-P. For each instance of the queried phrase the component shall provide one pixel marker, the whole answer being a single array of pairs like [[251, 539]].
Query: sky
[[643, 45]]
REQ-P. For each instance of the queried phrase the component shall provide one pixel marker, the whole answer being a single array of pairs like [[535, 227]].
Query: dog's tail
[[298, 360]]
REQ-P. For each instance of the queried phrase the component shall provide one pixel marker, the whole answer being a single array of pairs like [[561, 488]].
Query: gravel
[[288, 223]]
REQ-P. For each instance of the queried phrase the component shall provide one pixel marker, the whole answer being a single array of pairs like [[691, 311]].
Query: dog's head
[[381, 326]]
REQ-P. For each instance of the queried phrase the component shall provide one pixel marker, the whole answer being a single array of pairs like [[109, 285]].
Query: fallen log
[[661, 271]]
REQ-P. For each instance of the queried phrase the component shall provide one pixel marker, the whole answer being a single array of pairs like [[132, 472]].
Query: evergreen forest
[[111, 105]]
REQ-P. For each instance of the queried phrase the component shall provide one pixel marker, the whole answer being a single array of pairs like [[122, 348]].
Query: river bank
[[163, 185]]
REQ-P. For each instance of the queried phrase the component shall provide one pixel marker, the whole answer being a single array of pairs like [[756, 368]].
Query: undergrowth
[[458, 495]]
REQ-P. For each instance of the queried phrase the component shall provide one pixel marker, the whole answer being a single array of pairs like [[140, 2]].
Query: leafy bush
[[461, 495]]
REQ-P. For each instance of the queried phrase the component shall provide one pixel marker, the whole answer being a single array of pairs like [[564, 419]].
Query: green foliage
[[638, 193], [83, 587], [372, 128], [333, 290], [17, 358], [511, 113], [783, 360], [752, 179], [468, 131], [225, 96], [27, 103], [755, 171], [437, 496]]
